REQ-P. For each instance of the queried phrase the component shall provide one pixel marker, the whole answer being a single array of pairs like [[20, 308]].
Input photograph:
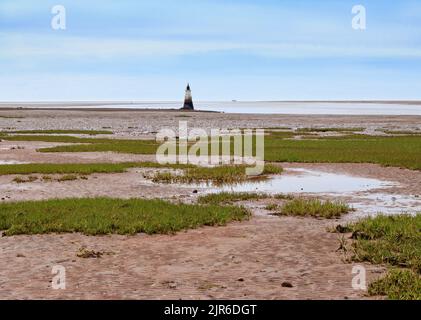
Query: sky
[[132, 50]]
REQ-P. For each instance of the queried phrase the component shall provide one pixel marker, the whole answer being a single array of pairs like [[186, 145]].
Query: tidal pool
[[366, 195], [302, 181]]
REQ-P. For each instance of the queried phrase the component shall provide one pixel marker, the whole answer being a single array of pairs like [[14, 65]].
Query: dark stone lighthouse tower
[[188, 100]]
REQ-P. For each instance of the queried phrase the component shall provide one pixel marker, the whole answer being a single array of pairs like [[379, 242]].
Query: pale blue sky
[[227, 49]]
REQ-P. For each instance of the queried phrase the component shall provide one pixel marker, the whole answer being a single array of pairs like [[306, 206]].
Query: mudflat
[[266, 257]]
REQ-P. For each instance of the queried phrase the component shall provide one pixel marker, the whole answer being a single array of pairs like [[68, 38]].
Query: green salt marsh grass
[[97, 216], [314, 208], [90, 144], [25, 179], [230, 197], [397, 151], [217, 175], [394, 241], [80, 168], [398, 284], [402, 151]]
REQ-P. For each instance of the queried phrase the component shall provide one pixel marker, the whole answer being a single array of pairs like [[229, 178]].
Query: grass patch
[[281, 196], [393, 240], [217, 175], [272, 207], [314, 208], [397, 285], [80, 168], [25, 179], [398, 151], [90, 144], [95, 216], [230, 197], [402, 151], [89, 132], [67, 177]]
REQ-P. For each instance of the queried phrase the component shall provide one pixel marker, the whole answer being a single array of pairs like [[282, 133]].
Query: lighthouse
[[188, 100]]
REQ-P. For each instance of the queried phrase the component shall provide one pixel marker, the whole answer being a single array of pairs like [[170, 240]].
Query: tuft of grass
[[281, 196], [397, 285], [217, 175], [230, 197], [314, 208], [272, 207], [393, 240], [89, 132], [67, 177], [95, 216], [25, 179]]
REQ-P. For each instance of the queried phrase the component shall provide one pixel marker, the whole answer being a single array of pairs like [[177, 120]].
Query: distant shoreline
[[142, 105], [32, 104], [104, 109], [330, 107]]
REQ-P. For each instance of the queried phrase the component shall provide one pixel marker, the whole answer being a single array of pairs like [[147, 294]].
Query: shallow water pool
[[303, 181]]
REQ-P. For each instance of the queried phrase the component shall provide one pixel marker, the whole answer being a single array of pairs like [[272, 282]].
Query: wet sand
[[247, 260]]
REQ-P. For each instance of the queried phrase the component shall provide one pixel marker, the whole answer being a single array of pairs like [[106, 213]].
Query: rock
[[85, 253], [341, 229], [240, 279], [287, 284], [360, 235]]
